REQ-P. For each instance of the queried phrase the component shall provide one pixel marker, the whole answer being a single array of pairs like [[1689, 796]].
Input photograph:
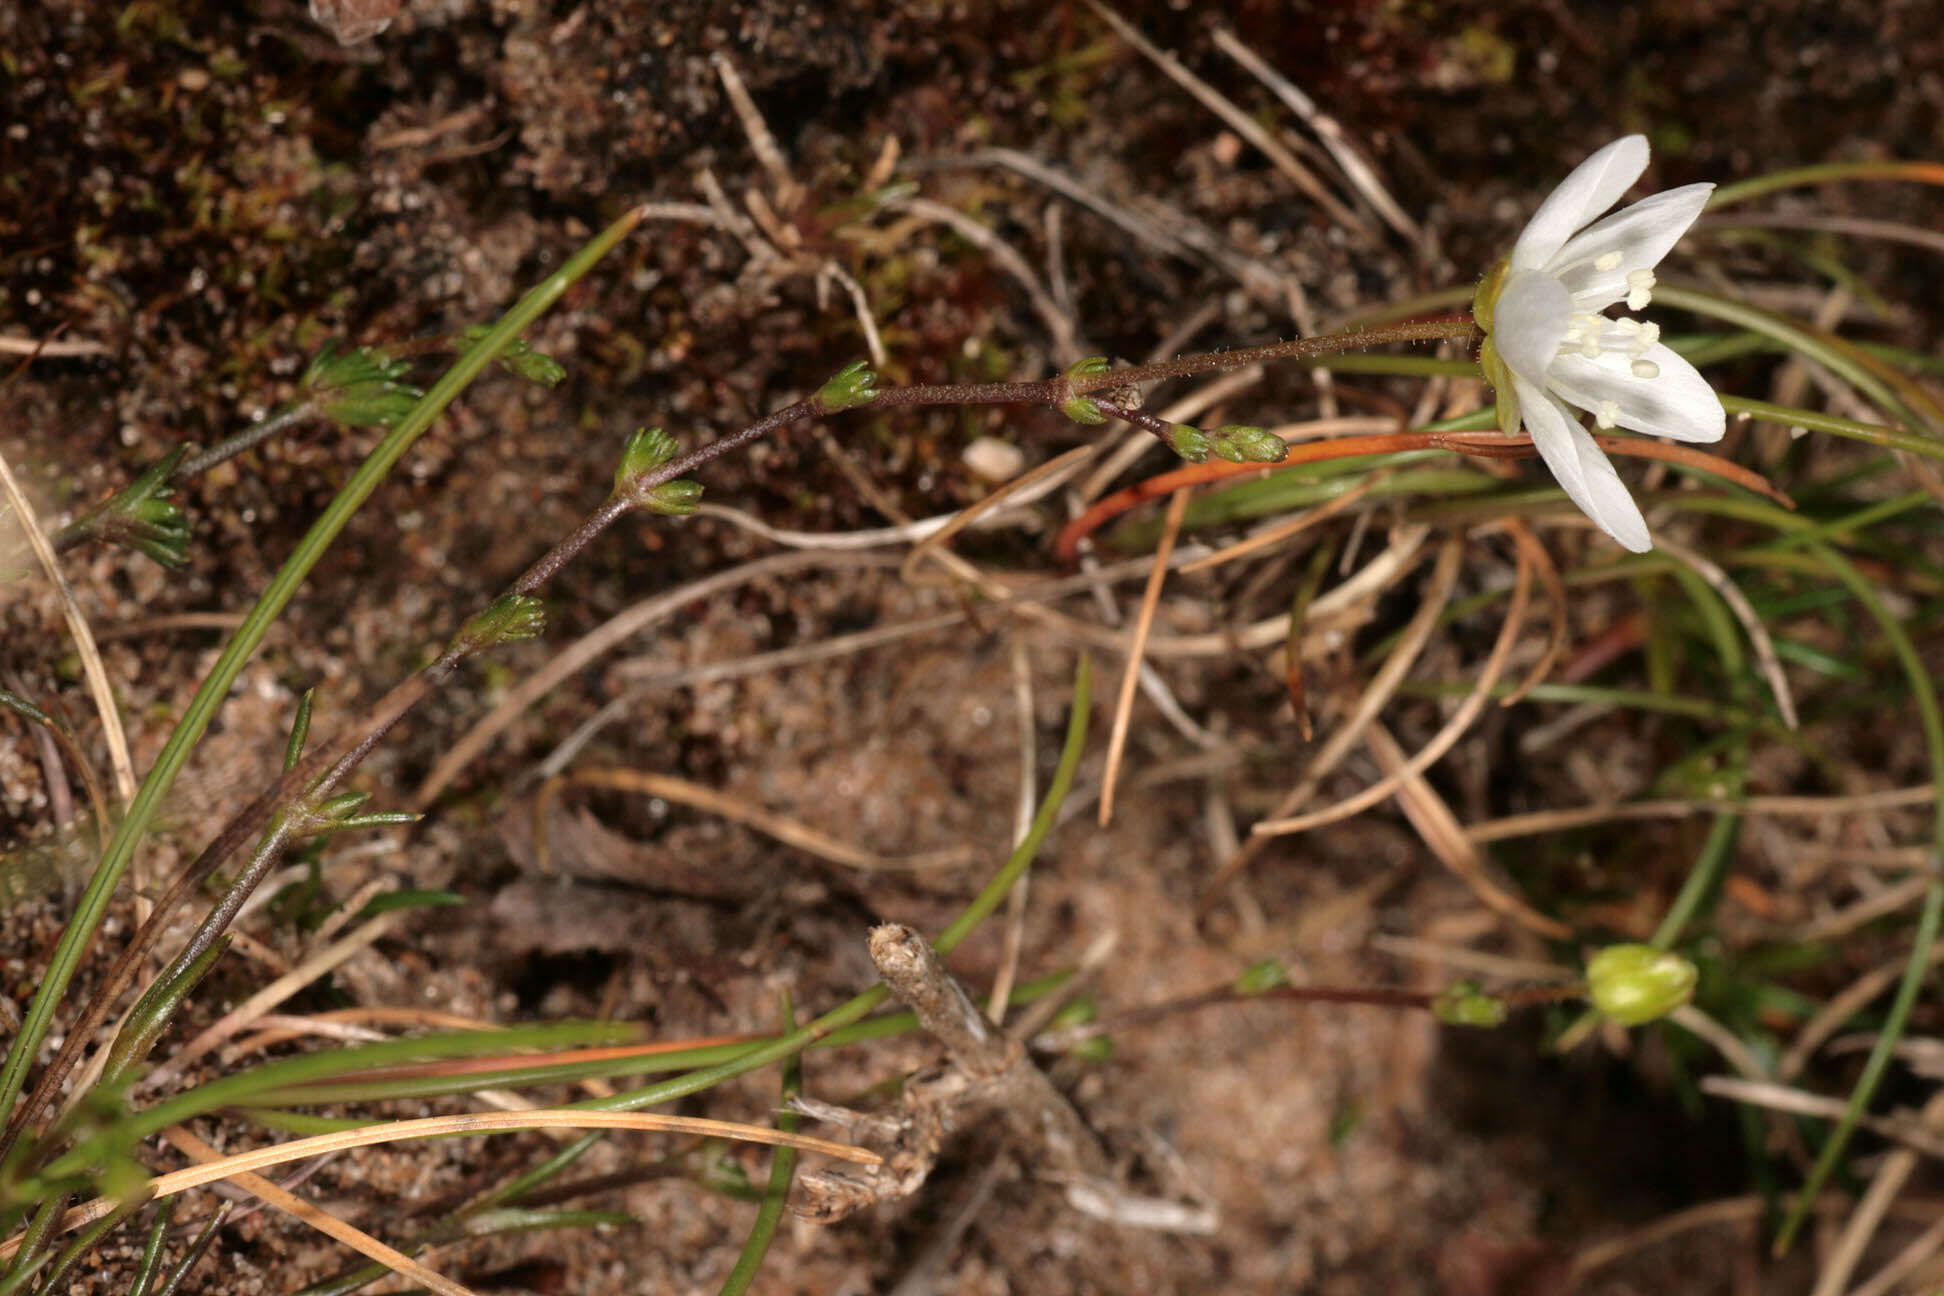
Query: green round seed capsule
[[1635, 984]]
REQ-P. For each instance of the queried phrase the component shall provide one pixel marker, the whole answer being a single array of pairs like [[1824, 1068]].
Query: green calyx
[[1635, 984], [1243, 443], [1486, 298]]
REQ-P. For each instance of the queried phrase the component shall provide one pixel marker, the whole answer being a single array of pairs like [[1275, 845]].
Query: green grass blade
[[782, 1170]]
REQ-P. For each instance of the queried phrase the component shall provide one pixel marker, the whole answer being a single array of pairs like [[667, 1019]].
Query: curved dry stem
[[788, 831], [1378, 693], [1461, 720], [319, 1218], [446, 1126], [1136, 647], [605, 637], [99, 690]]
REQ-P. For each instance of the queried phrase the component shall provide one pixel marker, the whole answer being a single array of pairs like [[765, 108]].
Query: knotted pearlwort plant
[[1550, 347]]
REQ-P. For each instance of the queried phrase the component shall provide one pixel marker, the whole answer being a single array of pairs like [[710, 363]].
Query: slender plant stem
[[1296, 349], [782, 1168], [80, 930], [231, 446]]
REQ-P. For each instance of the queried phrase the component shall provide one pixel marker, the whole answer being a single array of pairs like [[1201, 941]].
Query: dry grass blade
[[1383, 685], [1751, 621], [1550, 821], [1057, 468], [446, 1126], [1066, 342], [591, 646], [1780, 1097], [1885, 1186], [1906, 1262], [318, 1218], [1358, 172], [1555, 591], [1445, 836], [84, 641], [1461, 720], [788, 831], [49, 348], [763, 144], [1136, 647], [1281, 531], [253, 1008], [1842, 1006], [1240, 122]]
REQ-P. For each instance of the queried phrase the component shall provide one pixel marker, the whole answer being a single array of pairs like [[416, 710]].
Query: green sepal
[[1635, 984], [678, 498], [1486, 298], [1190, 442], [1500, 379], [851, 386], [1082, 410], [1244, 443]]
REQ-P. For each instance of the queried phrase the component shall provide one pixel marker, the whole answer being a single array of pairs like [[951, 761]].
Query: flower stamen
[[1640, 288]]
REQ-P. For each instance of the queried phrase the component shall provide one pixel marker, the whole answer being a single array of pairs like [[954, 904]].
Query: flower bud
[[1190, 442], [1241, 443], [1635, 984]]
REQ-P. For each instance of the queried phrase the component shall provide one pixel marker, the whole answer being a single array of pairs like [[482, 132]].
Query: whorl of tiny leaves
[[1258, 977], [340, 814], [510, 618], [1464, 1004], [1635, 984], [519, 358], [1079, 408], [142, 516], [853, 385], [647, 450], [360, 388]]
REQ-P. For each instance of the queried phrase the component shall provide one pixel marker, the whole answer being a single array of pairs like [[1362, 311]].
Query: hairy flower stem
[[1456, 327]]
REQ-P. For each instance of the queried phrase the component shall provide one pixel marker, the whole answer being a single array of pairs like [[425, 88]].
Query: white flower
[[1549, 347]]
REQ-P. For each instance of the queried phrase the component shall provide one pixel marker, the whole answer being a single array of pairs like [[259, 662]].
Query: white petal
[[1581, 468], [1640, 234], [1595, 185], [1677, 403], [1529, 322]]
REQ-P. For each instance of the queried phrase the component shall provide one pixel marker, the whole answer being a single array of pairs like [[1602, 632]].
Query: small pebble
[[993, 459]]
